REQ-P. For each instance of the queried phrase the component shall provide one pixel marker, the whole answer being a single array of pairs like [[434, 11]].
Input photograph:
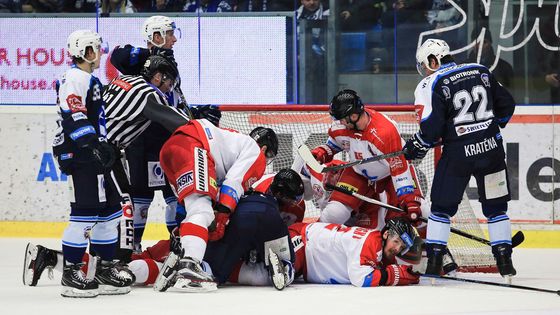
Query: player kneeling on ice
[[337, 254]]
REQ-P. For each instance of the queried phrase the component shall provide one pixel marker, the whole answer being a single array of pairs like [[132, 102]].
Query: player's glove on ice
[[105, 153], [415, 148], [401, 275], [218, 227]]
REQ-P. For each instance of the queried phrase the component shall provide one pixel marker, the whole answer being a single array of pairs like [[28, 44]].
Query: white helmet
[[157, 24], [431, 47], [79, 40]]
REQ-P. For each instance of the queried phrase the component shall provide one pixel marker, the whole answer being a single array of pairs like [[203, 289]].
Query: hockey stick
[[506, 285], [307, 156], [516, 239]]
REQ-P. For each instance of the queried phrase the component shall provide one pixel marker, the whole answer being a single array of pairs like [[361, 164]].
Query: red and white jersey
[[336, 253], [238, 159], [289, 213], [381, 136]]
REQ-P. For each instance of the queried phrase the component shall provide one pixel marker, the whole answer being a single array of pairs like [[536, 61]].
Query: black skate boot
[[37, 258], [75, 284], [502, 254], [435, 259], [192, 277], [449, 264], [113, 277]]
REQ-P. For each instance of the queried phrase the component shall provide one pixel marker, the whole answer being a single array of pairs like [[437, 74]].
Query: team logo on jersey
[[446, 92], [75, 103], [184, 181], [445, 81], [155, 174], [485, 79], [318, 191]]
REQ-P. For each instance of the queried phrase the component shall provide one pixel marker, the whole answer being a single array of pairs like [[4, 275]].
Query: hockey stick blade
[[505, 285], [515, 240], [309, 159]]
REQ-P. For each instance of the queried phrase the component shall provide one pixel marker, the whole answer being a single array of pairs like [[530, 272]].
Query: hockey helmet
[[345, 103], [436, 48], [157, 24], [287, 186], [156, 64], [266, 136], [398, 227], [80, 40]]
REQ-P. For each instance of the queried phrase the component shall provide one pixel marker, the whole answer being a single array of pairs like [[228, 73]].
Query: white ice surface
[[536, 267]]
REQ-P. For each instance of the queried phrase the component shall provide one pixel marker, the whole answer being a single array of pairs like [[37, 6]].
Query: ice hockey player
[[210, 169], [463, 107], [364, 133], [83, 153]]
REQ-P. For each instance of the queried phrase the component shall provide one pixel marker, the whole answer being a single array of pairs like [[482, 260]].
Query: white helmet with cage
[[80, 40], [157, 24], [432, 47]]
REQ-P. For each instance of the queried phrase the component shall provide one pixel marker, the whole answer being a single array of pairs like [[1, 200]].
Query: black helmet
[[266, 136], [346, 103], [287, 186], [156, 64], [211, 113], [404, 230]]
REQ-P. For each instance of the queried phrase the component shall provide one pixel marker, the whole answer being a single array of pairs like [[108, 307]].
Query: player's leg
[[87, 197], [170, 208], [340, 206], [450, 181], [493, 190]]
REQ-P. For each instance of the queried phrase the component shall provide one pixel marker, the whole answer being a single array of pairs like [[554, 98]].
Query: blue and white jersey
[[461, 105]]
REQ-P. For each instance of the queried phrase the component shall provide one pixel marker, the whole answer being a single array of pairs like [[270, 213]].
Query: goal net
[[298, 124]]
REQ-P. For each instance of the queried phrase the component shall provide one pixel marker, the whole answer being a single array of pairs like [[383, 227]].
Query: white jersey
[[335, 254]]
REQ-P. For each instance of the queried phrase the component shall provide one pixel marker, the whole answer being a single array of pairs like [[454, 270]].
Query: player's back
[[462, 97]]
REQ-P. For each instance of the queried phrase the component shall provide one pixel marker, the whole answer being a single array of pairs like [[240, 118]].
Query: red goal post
[[298, 124]]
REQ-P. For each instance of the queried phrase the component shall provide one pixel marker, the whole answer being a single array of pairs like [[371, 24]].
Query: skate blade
[[278, 279], [28, 273], [508, 279], [76, 293], [105, 289], [190, 286]]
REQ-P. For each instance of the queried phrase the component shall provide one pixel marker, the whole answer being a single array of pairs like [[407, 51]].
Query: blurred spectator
[[503, 71], [311, 10], [10, 6], [207, 6], [282, 5], [440, 14], [359, 15], [166, 6], [47, 6], [251, 5], [117, 6], [74, 6], [549, 60]]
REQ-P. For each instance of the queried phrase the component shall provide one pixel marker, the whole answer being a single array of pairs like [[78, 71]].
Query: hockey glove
[[401, 275], [415, 148], [412, 204], [165, 53], [323, 153], [105, 154], [218, 227]]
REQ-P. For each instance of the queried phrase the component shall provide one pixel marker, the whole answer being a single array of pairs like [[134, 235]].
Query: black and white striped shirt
[[131, 104]]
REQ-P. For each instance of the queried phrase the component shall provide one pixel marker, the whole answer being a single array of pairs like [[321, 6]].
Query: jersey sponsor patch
[[82, 132], [75, 103], [201, 169], [122, 84], [79, 116], [466, 129], [184, 181]]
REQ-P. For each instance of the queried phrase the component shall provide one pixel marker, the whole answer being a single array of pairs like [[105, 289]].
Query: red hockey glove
[[401, 275], [217, 229], [412, 204], [323, 153]]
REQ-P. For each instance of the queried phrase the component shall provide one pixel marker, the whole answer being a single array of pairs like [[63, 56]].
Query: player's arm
[[167, 116], [503, 102], [72, 102], [129, 59]]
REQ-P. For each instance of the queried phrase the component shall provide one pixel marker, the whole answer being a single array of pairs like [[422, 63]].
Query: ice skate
[[75, 284], [37, 259], [167, 274], [191, 277], [113, 278]]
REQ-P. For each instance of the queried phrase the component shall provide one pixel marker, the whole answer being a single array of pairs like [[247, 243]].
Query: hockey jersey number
[[463, 100]]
